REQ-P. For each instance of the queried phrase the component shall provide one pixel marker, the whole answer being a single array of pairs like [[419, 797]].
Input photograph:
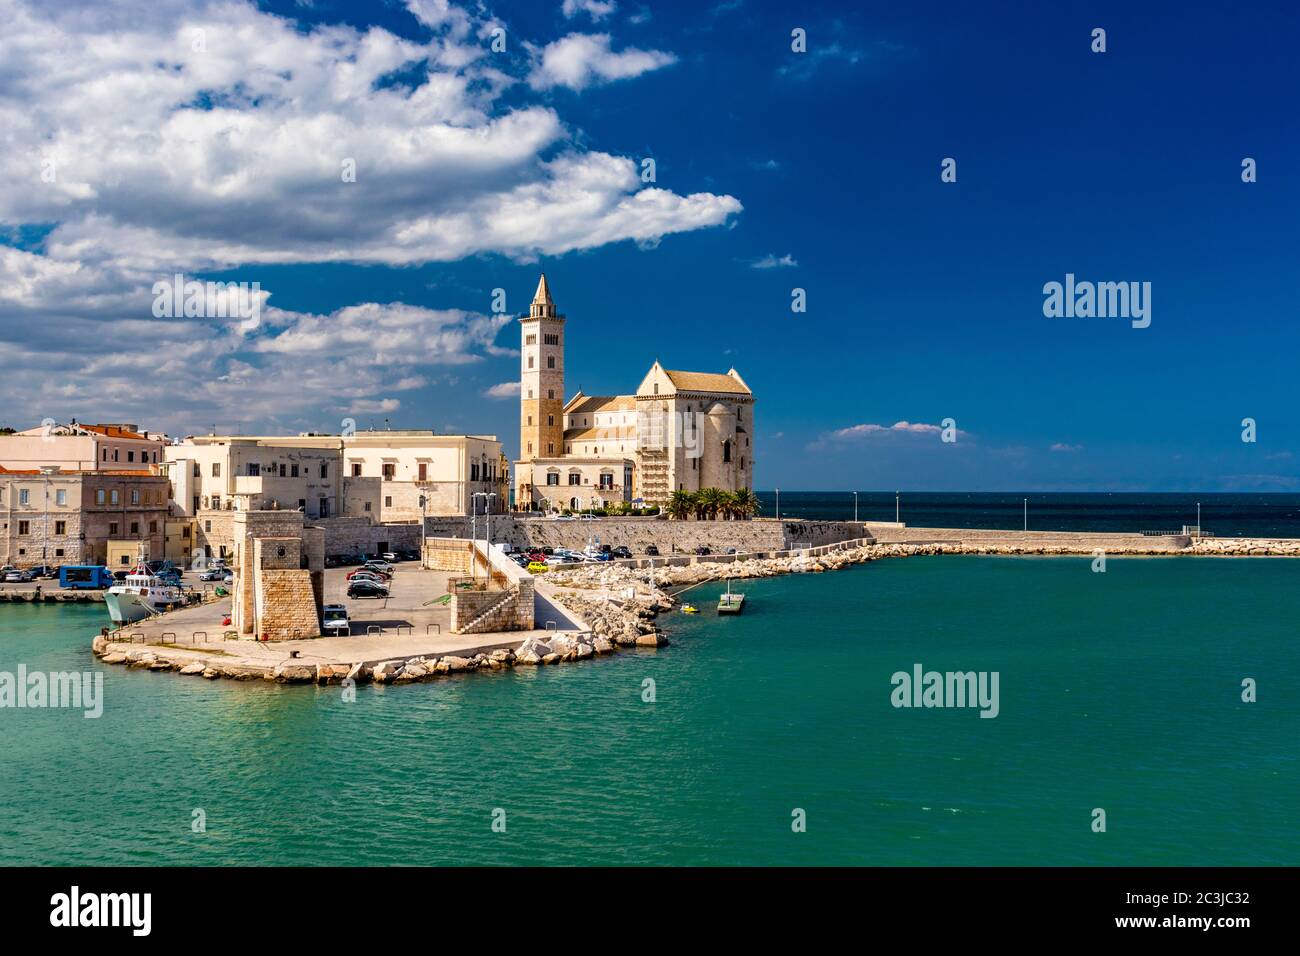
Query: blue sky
[[775, 170]]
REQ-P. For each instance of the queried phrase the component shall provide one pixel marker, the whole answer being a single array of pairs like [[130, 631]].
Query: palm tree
[[708, 502], [746, 503], [680, 505], [727, 505]]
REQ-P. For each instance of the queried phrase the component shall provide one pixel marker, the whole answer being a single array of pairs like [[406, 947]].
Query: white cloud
[[596, 9], [1064, 447], [503, 390], [771, 261], [193, 137], [580, 60], [869, 430]]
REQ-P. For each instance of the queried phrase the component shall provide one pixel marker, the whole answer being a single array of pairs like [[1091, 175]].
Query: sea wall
[[1029, 541]]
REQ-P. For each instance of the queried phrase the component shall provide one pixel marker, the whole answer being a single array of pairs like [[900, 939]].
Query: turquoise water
[[1118, 690]]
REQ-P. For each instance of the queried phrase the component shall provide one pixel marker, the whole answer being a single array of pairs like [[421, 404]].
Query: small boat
[[730, 603], [143, 594], [690, 609]]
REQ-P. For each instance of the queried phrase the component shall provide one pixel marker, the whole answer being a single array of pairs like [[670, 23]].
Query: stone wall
[[677, 536], [507, 604], [287, 605], [1076, 540]]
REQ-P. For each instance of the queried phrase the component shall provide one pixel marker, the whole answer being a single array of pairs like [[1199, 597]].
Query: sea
[[1156, 698]]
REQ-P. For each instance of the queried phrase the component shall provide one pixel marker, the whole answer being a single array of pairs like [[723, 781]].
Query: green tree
[[680, 505], [708, 503], [746, 503]]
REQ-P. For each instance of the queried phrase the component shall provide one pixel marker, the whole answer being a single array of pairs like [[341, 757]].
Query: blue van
[[85, 577]]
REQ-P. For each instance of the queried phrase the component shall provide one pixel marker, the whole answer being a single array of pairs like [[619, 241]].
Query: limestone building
[[678, 431], [56, 517], [76, 447], [373, 477]]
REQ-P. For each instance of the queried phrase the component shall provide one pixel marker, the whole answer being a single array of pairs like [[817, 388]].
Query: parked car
[[367, 573], [382, 566], [587, 518], [367, 577], [212, 574], [334, 620], [367, 589], [731, 551], [561, 517], [622, 551], [17, 576], [390, 556], [704, 549], [120, 576], [410, 555], [535, 555], [652, 551], [538, 567], [548, 551]]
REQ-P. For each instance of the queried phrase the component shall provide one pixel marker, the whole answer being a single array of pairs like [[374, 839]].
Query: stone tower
[[541, 393]]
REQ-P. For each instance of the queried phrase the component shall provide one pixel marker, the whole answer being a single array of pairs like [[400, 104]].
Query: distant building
[[377, 476], [51, 516], [77, 447], [678, 431]]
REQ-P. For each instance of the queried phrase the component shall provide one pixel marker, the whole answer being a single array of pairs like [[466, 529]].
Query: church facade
[[678, 430]]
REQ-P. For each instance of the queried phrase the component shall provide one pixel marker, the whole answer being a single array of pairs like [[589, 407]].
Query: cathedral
[[680, 431]]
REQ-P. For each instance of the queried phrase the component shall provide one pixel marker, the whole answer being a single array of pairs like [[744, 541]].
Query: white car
[[389, 556], [17, 577], [589, 518], [335, 620]]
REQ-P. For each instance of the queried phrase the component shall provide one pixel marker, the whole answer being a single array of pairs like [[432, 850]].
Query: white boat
[[143, 594]]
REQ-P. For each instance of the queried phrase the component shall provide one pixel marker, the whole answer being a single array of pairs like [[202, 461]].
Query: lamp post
[[778, 504], [896, 494], [855, 507], [487, 504], [424, 540], [1198, 521], [1026, 514]]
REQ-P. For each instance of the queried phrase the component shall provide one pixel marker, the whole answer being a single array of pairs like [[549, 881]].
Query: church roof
[[583, 404], [706, 382], [543, 294]]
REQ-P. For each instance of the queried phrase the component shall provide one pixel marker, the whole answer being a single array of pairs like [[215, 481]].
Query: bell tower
[[541, 392]]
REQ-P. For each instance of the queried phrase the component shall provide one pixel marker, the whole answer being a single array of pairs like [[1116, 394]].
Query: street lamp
[[778, 504], [1198, 521], [1026, 514], [424, 540], [896, 494], [855, 507]]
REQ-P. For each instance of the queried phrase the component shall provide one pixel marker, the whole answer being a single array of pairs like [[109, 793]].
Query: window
[[114, 497], [530, 340], [726, 450], [24, 527], [550, 448], [742, 462], [366, 507], [104, 457], [153, 527], [58, 552], [551, 338], [550, 393], [390, 471], [473, 471], [207, 526], [356, 469], [23, 495], [530, 361], [216, 502], [324, 505], [424, 471], [530, 420], [575, 478], [112, 528], [216, 469], [550, 420], [324, 469], [388, 501], [196, 502], [135, 496], [198, 472], [130, 456], [530, 448], [254, 470], [553, 478], [282, 470], [302, 504], [607, 481], [550, 361], [293, 471], [115, 454], [60, 527], [135, 527]]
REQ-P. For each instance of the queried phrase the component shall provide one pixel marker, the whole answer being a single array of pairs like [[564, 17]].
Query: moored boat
[[143, 594]]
